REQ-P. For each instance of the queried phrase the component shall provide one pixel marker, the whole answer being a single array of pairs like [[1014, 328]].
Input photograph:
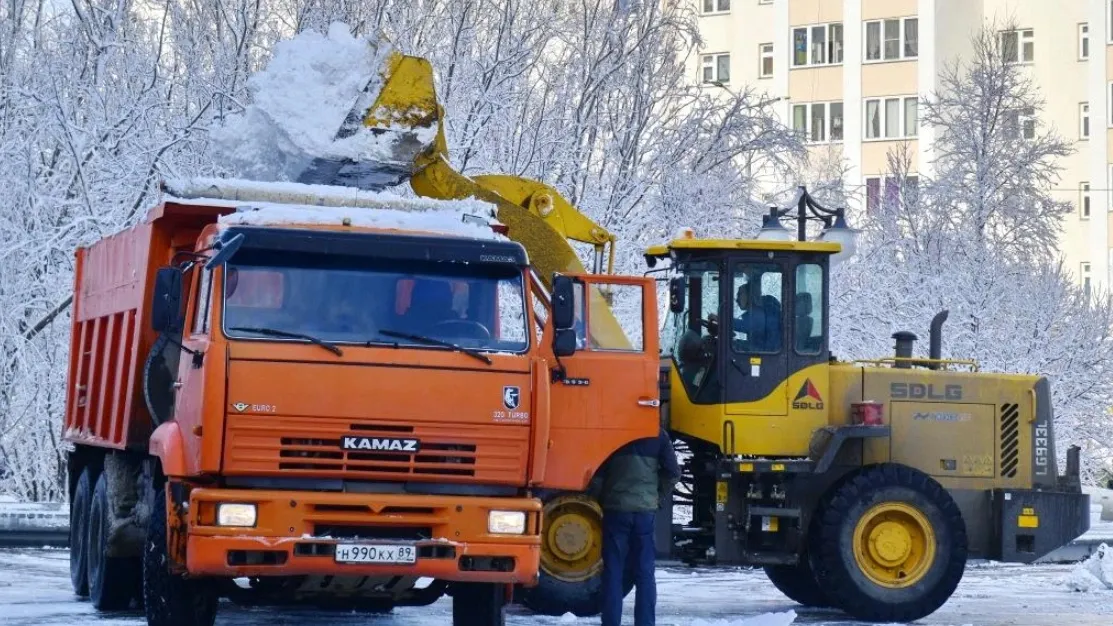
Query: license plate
[[375, 553]]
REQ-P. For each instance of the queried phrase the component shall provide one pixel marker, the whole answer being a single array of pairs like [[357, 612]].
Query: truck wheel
[[110, 578], [798, 583], [79, 527], [890, 545], [169, 599], [478, 604], [571, 560]]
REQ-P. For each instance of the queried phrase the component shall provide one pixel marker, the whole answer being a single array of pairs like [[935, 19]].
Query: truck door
[[606, 394]]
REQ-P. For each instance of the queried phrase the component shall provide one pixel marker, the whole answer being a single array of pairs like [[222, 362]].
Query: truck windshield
[[353, 300]]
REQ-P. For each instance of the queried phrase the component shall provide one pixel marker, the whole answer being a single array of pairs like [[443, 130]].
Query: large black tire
[[905, 493], [556, 597], [111, 579], [478, 604], [169, 599], [798, 583], [80, 502]]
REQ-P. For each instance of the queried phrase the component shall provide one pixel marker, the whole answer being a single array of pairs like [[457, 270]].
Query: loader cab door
[[778, 328]]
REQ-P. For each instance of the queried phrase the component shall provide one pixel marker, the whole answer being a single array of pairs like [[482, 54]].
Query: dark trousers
[[628, 539]]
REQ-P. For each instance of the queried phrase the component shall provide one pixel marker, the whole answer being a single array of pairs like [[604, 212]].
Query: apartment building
[[849, 73]]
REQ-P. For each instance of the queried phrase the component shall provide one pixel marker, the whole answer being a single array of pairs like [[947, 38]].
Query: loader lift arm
[[536, 215]]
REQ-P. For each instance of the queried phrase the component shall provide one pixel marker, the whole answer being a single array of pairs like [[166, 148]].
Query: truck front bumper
[[297, 533]]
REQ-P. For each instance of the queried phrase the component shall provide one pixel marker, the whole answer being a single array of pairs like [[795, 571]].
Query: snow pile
[[766, 619], [440, 222], [1095, 573], [299, 102]]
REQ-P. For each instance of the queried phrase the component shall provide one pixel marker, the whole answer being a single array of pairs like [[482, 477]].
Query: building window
[[817, 45], [892, 40], [1086, 278], [1084, 201], [1084, 120], [1018, 46], [765, 70], [1021, 124], [896, 194], [1083, 42], [715, 6], [892, 118], [716, 68], [818, 122]]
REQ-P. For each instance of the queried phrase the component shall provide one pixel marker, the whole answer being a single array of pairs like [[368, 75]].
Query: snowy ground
[[34, 591]]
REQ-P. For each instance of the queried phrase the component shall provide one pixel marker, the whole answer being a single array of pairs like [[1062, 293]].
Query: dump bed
[[111, 334]]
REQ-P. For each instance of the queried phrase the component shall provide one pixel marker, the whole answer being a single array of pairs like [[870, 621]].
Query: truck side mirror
[[676, 294], [224, 251], [564, 342], [166, 301], [564, 303]]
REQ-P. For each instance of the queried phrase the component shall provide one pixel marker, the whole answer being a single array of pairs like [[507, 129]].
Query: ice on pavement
[[299, 102], [1095, 573], [766, 619]]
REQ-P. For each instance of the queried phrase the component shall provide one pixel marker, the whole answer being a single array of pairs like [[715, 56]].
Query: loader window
[[808, 309], [694, 334], [757, 308]]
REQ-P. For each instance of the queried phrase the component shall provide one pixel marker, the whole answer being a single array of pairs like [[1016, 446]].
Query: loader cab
[[747, 333]]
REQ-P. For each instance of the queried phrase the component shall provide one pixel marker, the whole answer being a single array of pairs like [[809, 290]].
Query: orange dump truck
[[352, 406]]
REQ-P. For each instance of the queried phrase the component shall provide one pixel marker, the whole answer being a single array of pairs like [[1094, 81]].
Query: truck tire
[[169, 599], [111, 581], [890, 545], [478, 604], [79, 527], [568, 584], [798, 583]]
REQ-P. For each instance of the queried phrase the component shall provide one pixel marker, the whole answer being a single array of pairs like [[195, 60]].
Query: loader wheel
[[79, 527], [890, 545], [571, 560], [169, 599], [798, 583], [110, 578], [478, 604]]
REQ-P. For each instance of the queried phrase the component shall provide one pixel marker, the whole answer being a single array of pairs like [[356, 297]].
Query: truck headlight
[[235, 514], [506, 522]]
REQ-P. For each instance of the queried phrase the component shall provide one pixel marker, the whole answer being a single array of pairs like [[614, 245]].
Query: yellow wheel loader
[[863, 486]]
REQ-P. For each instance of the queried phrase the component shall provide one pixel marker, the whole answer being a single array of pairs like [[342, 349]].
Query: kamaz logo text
[[380, 444], [808, 397], [920, 391]]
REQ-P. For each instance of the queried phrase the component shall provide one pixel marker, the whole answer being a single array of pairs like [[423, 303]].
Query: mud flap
[[1029, 524]]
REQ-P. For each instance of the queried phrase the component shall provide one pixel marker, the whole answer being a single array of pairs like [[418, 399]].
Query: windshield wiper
[[437, 342], [274, 332]]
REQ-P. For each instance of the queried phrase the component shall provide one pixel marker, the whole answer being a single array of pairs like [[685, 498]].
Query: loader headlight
[[235, 514], [506, 522]]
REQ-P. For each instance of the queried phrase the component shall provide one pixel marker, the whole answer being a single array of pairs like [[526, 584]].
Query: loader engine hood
[[376, 357]]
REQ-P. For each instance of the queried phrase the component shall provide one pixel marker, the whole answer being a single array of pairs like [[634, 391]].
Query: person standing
[[630, 487]]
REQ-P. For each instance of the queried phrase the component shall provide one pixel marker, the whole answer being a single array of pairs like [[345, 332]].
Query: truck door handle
[[648, 402]]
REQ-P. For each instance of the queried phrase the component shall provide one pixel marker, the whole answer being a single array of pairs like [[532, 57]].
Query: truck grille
[[263, 445], [1010, 439]]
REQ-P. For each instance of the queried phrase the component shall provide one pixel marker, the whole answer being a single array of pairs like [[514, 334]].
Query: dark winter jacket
[[638, 476]]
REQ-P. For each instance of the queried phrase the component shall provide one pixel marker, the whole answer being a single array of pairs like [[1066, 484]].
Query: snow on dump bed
[[438, 222], [299, 102], [1095, 573], [281, 203]]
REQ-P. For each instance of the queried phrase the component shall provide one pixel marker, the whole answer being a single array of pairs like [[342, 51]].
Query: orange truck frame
[[221, 429]]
